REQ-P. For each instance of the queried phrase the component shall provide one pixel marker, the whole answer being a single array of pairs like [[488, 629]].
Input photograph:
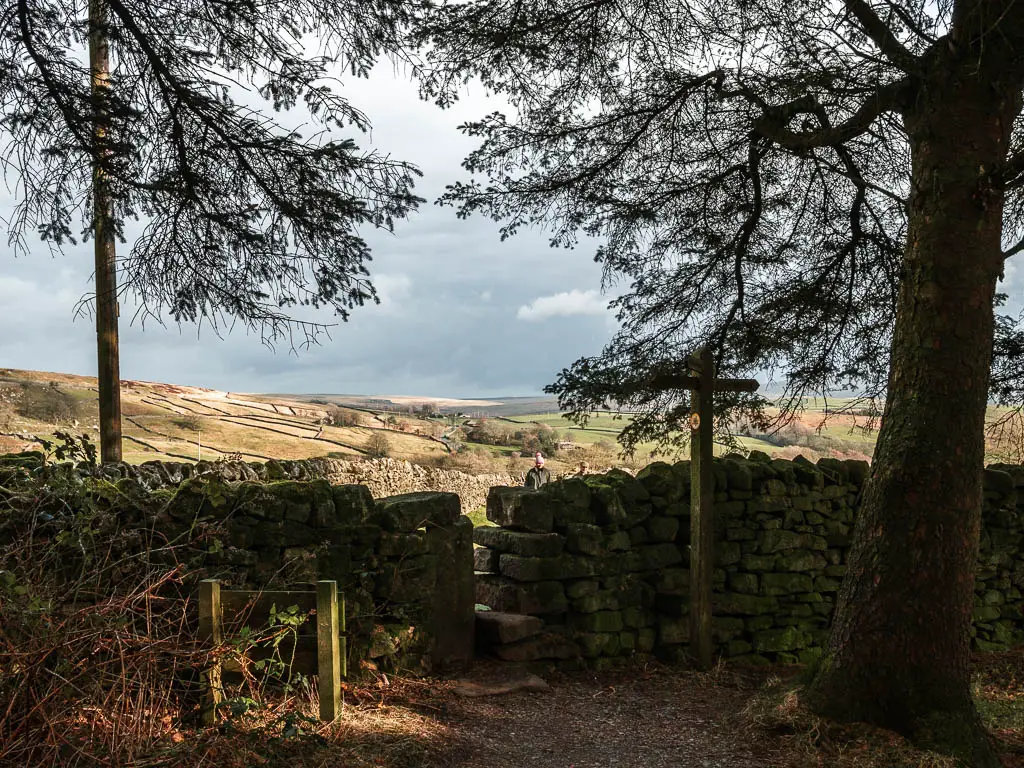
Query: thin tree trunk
[[899, 650], [107, 350]]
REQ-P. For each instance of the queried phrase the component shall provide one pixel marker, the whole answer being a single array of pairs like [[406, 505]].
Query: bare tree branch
[[772, 125], [882, 36]]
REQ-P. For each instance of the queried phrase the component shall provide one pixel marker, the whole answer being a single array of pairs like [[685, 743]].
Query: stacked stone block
[[403, 563], [519, 637], [592, 557]]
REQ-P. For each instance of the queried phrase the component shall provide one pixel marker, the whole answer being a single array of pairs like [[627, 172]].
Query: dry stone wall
[[604, 560], [998, 602], [600, 561], [387, 477], [383, 477], [403, 562]]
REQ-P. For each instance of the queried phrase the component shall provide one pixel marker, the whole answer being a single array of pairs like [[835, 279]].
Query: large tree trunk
[[899, 651]]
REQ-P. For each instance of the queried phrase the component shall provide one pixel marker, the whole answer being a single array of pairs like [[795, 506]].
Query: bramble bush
[[99, 658]]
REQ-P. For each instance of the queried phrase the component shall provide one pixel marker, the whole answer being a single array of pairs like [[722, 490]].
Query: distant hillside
[[477, 408], [181, 422], [169, 421]]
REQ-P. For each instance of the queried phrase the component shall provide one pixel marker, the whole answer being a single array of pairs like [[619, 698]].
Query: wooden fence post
[[329, 658], [702, 524], [211, 629]]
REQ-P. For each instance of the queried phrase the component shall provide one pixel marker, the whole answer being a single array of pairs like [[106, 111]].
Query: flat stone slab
[[502, 594], [409, 511], [584, 539], [653, 557], [559, 568], [499, 628], [545, 646], [485, 560], [475, 689], [520, 509], [519, 542]]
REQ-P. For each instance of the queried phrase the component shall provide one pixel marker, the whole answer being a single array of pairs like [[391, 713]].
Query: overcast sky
[[462, 314]]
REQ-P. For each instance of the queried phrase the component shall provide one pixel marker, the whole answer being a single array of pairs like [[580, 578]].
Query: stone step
[[500, 628], [519, 542], [548, 645]]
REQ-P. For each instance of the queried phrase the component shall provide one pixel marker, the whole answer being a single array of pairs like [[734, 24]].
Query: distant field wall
[[388, 477], [384, 477]]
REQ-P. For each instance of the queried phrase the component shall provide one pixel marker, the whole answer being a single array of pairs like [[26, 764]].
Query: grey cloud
[[450, 292], [565, 304]]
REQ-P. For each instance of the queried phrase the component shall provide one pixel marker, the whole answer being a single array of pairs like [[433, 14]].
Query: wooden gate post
[[211, 629], [328, 649]]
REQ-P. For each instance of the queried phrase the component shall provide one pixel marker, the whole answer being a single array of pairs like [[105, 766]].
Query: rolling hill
[[169, 421], [186, 422]]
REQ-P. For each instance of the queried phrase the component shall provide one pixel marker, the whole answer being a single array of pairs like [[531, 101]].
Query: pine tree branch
[[72, 119], [1013, 250], [882, 36], [1013, 172], [772, 125], [912, 25]]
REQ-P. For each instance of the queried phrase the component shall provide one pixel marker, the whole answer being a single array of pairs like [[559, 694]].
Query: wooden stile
[[250, 608], [324, 654]]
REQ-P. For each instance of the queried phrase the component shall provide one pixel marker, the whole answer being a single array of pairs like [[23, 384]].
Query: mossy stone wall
[[604, 559], [403, 563]]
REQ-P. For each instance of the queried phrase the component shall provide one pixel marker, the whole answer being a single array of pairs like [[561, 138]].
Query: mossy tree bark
[[899, 650]]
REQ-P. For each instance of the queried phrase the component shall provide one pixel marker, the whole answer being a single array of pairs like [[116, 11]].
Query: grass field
[[842, 427], [164, 421], [601, 426], [836, 434]]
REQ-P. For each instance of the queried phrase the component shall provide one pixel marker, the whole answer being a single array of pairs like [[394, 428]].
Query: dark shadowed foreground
[[639, 719], [644, 717]]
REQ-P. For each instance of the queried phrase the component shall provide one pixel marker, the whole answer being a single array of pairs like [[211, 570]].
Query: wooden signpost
[[702, 384]]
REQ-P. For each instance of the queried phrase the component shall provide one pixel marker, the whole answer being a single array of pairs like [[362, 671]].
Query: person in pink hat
[[538, 475]]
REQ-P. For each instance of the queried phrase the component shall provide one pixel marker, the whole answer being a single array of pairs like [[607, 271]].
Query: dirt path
[[644, 717], [635, 719]]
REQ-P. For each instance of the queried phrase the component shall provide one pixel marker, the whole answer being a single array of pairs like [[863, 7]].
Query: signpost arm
[[701, 513]]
